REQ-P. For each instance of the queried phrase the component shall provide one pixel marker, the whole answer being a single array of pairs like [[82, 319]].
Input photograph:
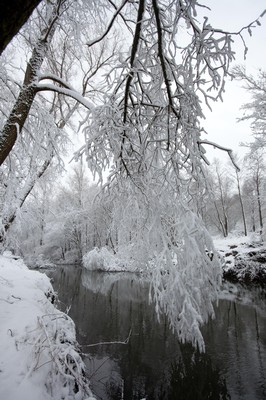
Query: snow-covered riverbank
[[38, 349], [243, 258]]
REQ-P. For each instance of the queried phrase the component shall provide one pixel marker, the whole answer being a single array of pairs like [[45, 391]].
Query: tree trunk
[[259, 206], [220, 220], [21, 109], [241, 204], [8, 221], [14, 14]]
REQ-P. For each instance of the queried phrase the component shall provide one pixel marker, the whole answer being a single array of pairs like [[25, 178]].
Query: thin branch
[[89, 44], [104, 343]]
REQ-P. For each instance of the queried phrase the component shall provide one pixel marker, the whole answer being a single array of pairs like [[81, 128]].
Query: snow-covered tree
[[27, 234], [256, 183], [146, 129], [35, 125], [148, 132], [255, 110], [238, 178]]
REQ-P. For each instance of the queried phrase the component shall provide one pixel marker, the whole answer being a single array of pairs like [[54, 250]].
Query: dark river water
[[153, 364]]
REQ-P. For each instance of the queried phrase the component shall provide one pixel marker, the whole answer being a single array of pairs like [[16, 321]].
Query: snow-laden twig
[[55, 344], [67, 361], [107, 343]]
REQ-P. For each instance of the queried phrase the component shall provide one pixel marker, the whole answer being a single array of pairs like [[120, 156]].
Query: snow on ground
[[38, 356], [227, 247], [243, 243]]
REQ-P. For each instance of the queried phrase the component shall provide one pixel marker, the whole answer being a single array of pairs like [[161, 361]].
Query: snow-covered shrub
[[102, 260], [247, 268], [42, 262], [66, 378], [243, 258], [38, 261]]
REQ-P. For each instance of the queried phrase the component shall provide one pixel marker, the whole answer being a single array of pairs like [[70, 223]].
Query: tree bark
[[22, 106], [259, 206], [14, 14], [241, 204]]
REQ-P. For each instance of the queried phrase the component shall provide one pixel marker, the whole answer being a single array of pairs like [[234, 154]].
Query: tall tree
[[255, 110], [255, 160], [241, 202]]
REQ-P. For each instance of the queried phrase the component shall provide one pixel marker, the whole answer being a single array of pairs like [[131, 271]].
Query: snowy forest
[[61, 222], [103, 144]]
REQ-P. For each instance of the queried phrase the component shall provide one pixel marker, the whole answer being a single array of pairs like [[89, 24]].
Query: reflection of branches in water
[[105, 380], [114, 389], [130, 285], [241, 293], [260, 352], [99, 367], [113, 385], [192, 377]]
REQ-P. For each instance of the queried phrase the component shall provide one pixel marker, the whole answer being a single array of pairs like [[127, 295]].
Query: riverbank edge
[[39, 352], [243, 259]]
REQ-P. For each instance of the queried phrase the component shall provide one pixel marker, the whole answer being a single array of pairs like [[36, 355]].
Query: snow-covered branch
[[109, 343], [218, 146], [67, 92], [56, 79]]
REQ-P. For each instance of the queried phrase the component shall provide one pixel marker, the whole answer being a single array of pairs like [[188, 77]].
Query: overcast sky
[[221, 123]]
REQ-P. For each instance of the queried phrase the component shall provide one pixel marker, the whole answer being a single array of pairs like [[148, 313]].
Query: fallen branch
[[106, 343]]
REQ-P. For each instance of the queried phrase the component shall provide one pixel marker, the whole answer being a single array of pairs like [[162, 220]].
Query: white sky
[[221, 124]]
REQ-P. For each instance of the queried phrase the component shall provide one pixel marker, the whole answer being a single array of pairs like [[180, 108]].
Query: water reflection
[[153, 365]]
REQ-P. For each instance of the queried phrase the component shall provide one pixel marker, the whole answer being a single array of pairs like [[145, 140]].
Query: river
[[152, 364]]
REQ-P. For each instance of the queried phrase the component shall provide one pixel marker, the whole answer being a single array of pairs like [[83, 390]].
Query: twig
[[104, 343]]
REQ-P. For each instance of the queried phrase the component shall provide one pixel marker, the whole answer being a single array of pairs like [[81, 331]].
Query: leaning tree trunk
[[10, 218], [21, 109]]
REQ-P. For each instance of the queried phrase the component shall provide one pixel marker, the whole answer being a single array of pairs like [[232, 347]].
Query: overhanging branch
[[218, 146]]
